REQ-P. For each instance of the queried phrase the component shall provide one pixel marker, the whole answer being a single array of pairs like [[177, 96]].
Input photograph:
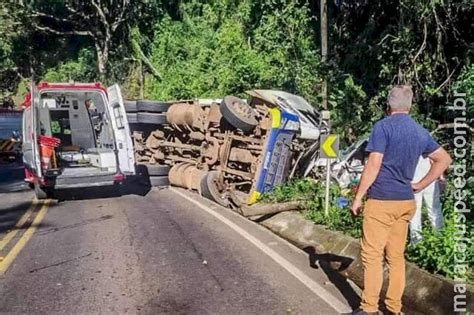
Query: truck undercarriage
[[229, 150]]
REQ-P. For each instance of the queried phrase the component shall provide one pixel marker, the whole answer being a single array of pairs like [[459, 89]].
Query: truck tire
[[238, 113], [130, 106], [159, 181], [158, 170], [210, 191], [132, 118], [152, 106], [151, 118]]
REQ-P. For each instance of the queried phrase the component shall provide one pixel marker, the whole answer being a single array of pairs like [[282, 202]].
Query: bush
[[435, 253], [223, 48], [83, 69], [313, 193]]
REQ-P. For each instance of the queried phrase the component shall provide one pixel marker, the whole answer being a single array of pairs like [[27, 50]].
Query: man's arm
[[369, 175], [441, 161]]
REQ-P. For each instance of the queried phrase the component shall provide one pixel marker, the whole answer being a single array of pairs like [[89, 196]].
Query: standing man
[[395, 144], [431, 196]]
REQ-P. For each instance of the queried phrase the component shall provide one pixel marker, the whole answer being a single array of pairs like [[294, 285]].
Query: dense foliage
[[190, 48], [436, 251]]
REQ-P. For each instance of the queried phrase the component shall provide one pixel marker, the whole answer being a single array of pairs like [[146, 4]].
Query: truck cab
[[75, 135]]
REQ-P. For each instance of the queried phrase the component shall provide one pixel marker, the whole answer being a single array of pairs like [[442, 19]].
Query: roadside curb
[[425, 292]]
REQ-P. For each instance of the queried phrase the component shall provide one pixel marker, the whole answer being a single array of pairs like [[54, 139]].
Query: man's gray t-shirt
[[402, 141]]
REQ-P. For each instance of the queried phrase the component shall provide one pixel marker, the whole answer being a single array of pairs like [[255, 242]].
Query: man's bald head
[[400, 98]]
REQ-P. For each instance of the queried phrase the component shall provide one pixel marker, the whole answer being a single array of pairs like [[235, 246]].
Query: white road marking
[[293, 270]]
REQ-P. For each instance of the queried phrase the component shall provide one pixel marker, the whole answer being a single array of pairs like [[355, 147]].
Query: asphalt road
[[169, 251]]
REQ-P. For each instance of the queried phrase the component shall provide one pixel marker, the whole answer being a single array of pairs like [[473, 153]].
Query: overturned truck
[[230, 150]]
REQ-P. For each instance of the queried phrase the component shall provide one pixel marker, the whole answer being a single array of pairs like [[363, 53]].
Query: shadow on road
[[331, 264], [133, 185], [10, 215]]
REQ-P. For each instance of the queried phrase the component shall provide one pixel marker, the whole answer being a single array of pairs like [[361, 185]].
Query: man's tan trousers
[[385, 229]]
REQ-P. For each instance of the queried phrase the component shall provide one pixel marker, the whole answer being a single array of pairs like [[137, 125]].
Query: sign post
[[329, 150]]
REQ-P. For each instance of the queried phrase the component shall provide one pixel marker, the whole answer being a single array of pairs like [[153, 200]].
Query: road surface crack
[[72, 226], [60, 263]]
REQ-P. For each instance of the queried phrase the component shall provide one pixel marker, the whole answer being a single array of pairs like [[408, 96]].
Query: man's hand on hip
[[416, 187], [441, 161]]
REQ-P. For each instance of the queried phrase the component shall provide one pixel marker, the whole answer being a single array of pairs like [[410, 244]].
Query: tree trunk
[[102, 50], [101, 61], [270, 208]]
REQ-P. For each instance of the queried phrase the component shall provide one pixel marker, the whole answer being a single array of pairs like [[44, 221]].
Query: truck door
[[30, 134], [123, 140]]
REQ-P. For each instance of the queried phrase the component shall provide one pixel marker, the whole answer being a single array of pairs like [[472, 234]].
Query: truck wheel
[[159, 181], [238, 113], [151, 118], [158, 170], [130, 106], [132, 118], [152, 106], [210, 189]]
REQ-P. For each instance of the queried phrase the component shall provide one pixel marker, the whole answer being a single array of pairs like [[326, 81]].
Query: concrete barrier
[[425, 293]]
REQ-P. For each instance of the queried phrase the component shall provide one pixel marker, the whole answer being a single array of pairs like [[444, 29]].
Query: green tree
[[105, 24], [9, 31]]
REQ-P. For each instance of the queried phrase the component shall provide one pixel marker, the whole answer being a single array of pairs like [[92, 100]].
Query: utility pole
[[324, 91], [324, 49], [141, 79]]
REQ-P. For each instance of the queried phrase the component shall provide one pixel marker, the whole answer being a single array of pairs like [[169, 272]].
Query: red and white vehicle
[[75, 135]]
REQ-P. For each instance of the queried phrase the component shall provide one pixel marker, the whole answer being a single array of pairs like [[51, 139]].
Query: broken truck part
[[231, 150]]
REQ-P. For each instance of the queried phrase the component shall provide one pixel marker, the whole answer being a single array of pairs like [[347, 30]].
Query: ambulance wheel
[[43, 193]]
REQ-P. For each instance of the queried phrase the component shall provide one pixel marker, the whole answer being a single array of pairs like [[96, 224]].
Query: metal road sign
[[329, 146]]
